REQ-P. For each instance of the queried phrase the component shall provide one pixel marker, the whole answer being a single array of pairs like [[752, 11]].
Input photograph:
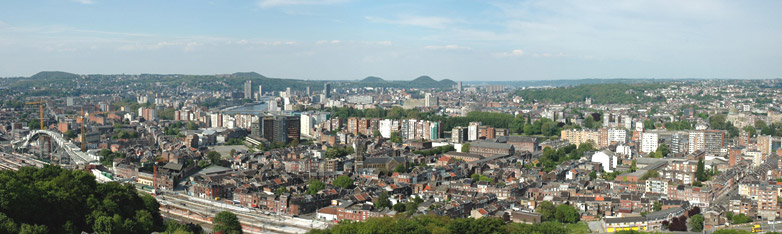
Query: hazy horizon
[[350, 40]]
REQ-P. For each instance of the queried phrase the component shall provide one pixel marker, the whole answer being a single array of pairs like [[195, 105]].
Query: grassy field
[[578, 228]]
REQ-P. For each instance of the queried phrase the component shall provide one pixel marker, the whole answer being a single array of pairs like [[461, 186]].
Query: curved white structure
[[68, 146]]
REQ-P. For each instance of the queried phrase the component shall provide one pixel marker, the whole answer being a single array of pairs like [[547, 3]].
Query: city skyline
[[349, 40]]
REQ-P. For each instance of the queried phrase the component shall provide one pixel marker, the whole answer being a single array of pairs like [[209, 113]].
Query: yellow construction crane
[[83, 133], [41, 106]]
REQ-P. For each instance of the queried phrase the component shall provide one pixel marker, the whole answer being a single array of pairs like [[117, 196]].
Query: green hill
[[57, 75], [373, 79], [446, 83]]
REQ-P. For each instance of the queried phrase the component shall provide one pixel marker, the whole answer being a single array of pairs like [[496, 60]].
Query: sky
[[396, 40]]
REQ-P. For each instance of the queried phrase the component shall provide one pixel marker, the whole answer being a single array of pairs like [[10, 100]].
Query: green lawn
[[578, 228]]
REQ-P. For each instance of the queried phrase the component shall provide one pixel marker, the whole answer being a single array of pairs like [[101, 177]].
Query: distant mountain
[[427, 82], [47, 79], [447, 83], [54, 75], [253, 75], [423, 80], [373, 79], [233, 81]]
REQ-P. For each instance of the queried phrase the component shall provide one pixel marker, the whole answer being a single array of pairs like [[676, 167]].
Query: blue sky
[[396, 40]]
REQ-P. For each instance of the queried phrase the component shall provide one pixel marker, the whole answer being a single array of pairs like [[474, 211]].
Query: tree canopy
[[600, 93], [343, 181], [56, 200], [227, 222], [441, 224]]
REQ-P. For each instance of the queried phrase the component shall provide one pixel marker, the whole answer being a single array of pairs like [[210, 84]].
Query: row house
[[695, 195], [358, 212], [679, 176], [212, 186]]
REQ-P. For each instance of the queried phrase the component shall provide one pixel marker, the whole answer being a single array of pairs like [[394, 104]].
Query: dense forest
[[57, 200], [600, 93]]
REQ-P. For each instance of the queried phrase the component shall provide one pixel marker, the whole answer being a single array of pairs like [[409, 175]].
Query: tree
[[32, 202], [338, 152], [529, 129], [696, 223], [650, 174], [566, 214], [678, 224], [399, 207], [593, 175], [315, 186], [400, 169], [395, 137], [191, 125], [343, 181], [382, 201], [589, 122], [227, 222], [549, 129], [376, 133], [34, 124], [649, 124], [214, 157], [173, 227], [70, 135], [664, 150], [466, 148], [657, 206], [700, 172], [741, 218], [547, 210]]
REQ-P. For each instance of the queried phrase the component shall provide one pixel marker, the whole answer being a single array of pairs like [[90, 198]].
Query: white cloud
[[512, 53], [419, 21], [279, 3], [446, 47], [86, 2], [328, 42]]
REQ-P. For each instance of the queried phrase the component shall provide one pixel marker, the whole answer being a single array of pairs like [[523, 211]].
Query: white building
[[306, 124], [657, 186], [617, 135], [430, 100], [756, 156], [385, 128], [649, 142], [214, 120], [472, 131], [608, 161], [697, 141], [627, 122], [624, 150]]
